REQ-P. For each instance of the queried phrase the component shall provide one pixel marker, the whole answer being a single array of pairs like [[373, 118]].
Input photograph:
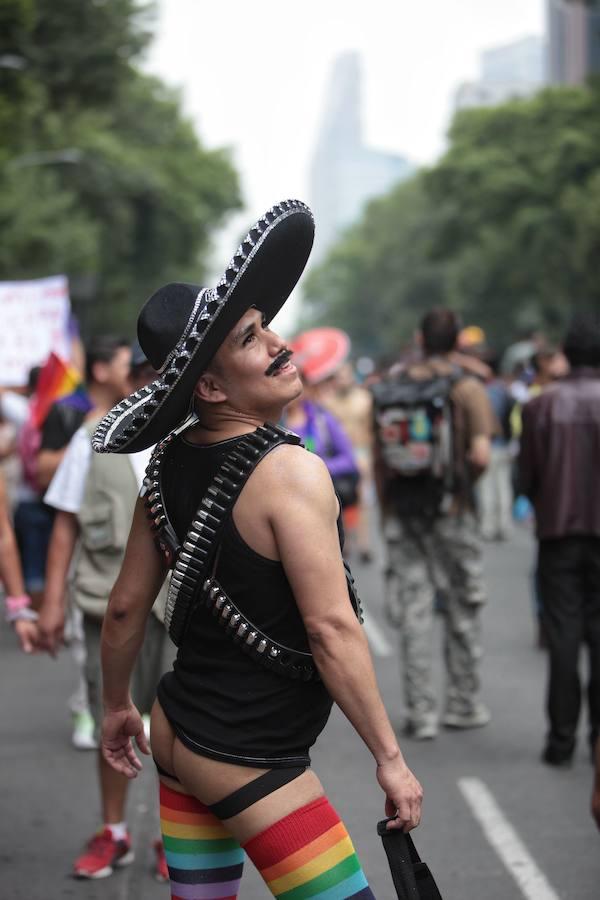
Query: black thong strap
[[164, 772], [254, 791]]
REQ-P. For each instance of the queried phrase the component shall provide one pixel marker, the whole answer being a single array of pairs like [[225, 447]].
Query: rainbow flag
[[58, 381]]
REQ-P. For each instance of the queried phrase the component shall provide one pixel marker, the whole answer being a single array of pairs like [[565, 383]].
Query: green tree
[[100, 174], [505, 229], [515, 219], [80, 50], [378, 279]]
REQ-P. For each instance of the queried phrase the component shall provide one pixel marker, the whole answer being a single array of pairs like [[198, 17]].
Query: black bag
[[413, 423], [346, 487], [412, 878], [414, 433]]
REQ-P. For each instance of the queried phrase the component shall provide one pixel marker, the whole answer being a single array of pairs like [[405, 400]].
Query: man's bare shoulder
[[292, 467], [289, 485], [289, 475]]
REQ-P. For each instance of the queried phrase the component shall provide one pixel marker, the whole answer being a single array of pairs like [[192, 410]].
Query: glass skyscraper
[[574, 40]]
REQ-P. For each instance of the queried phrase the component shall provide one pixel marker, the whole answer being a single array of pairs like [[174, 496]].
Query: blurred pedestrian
[[60, 405], [547, 364], [322, 433], [249, 519], [17, 603], [559, 471], [351, 403], [495, 487], [49, 415], [94, 498], [433, 425], [31, 521]]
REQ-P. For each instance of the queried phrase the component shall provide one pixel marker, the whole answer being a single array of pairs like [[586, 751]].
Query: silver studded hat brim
[[143, 418]]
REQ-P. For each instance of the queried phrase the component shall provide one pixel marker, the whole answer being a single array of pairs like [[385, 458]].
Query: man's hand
[[479, 454], [27, 632], [50, 628], [403, 794], [118, 728]]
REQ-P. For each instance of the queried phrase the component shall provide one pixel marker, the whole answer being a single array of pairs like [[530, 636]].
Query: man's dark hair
[[541, 356], [102, 349], [440, 328], [582, 341]]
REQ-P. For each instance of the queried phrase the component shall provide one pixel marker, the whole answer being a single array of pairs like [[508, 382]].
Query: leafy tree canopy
[[101, 176], [505, 229]]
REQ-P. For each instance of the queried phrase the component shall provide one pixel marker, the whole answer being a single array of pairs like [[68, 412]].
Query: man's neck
[[222, 424]]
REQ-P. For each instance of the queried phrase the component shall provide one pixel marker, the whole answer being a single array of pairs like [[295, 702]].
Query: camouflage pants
[[425, 558]]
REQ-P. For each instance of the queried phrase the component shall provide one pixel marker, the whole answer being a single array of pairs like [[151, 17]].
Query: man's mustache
[[279, 362]]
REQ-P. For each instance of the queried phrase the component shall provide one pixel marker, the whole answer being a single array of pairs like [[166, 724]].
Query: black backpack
[[414, 432]]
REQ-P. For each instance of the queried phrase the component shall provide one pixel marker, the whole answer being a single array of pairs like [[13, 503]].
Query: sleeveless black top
[[221, 703]]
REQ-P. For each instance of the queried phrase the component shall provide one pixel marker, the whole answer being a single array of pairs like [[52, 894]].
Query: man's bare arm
[[130, 602], [48, 462], [63, 539], [306, 535], [11, 574], [10, 562], [131, 599], [479, 454]]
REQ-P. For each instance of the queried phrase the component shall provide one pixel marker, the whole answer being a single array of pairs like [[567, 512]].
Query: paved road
[[497, 823]]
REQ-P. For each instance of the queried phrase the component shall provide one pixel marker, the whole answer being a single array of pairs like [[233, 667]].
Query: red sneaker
[[102, 854], [161, 871]]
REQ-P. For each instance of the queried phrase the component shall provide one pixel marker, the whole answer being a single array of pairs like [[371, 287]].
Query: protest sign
[[35, 322]]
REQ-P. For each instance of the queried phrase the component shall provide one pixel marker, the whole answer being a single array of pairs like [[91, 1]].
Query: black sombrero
[[181, 326]]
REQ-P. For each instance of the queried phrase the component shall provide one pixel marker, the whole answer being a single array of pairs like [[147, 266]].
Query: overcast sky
[[253, 74]]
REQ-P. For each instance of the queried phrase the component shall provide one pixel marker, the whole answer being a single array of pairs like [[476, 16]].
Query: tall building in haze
[[346, 173], [512, 70], [574, 40]]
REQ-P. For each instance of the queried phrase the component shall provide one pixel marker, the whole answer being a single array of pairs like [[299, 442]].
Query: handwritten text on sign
[[35, 319]]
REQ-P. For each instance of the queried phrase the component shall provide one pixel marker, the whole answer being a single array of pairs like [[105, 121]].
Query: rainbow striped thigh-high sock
[[309, 854], [205, 862]]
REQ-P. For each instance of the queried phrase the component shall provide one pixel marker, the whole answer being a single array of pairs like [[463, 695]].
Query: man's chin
[[296, 388]]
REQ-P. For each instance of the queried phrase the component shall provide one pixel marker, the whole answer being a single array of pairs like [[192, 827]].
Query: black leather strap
[[294, 664], [191, 561], [412, 877], [254, 791]]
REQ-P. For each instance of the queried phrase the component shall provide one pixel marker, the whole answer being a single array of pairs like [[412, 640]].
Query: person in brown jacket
[[560, 472]]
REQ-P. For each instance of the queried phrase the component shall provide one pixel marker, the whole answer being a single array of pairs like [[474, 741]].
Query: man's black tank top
[[221, 703]]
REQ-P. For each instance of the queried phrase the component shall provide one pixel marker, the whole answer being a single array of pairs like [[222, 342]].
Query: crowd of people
[[451, 446]]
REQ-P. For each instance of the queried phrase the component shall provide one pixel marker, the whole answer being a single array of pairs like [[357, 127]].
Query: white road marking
[[506, 842], [377, 639]]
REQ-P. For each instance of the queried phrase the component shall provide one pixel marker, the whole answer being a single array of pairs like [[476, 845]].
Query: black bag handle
[[412, 877]]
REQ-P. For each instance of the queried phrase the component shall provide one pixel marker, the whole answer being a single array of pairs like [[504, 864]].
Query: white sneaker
[[83, 732], [476, 718], [421, 731]]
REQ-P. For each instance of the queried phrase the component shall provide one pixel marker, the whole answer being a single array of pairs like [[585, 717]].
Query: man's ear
[[208, 389]]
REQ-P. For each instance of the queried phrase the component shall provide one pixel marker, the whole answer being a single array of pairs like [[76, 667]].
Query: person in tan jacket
[[94, 497]]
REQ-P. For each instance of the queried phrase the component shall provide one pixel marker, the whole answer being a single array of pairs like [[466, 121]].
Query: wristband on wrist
[[19, 608]]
